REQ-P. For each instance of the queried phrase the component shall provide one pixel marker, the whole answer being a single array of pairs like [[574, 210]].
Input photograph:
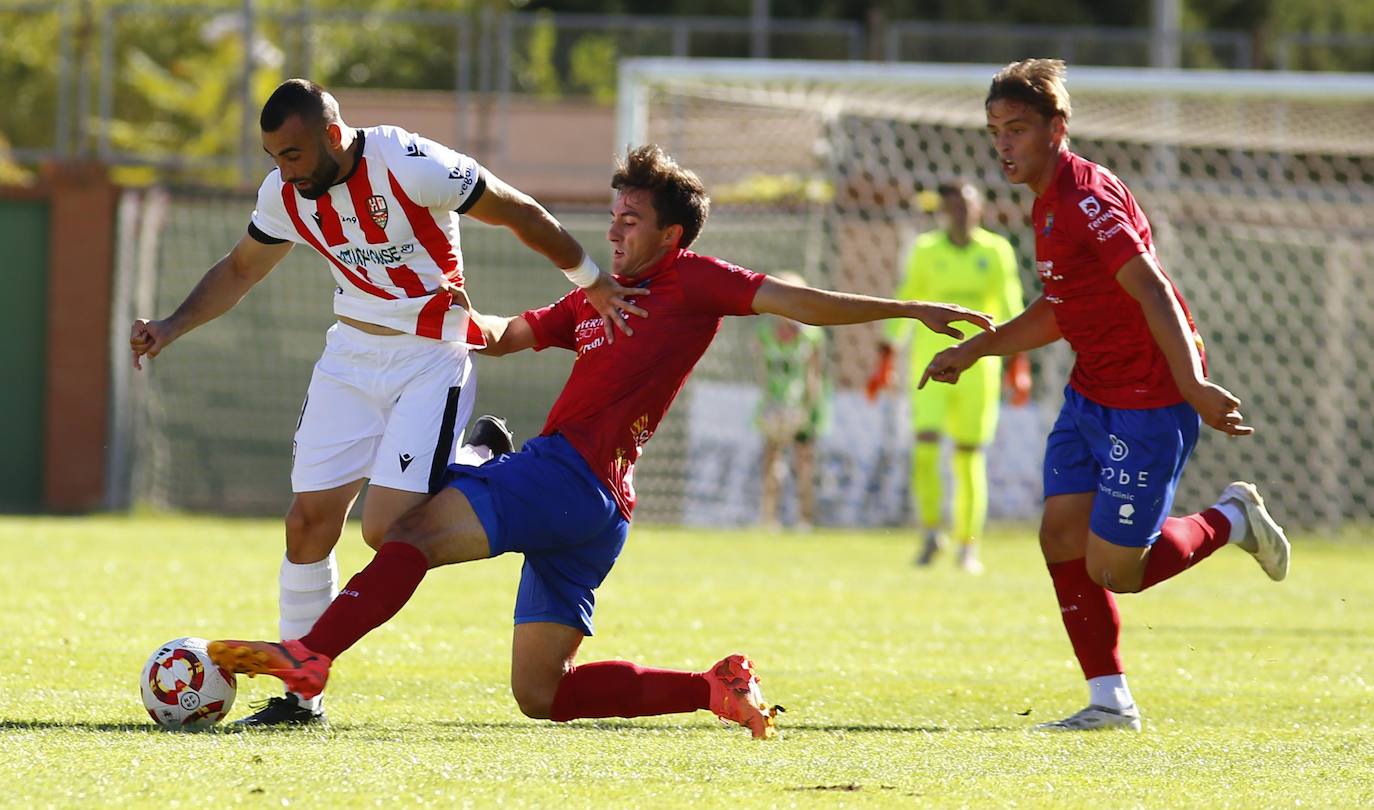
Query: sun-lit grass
[[903, 687]]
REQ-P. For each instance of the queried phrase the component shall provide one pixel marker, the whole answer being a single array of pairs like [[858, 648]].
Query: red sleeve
[[1102, 219], [716, 287], [554, 325]]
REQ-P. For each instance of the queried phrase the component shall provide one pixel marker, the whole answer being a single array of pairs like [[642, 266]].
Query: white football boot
[[1095, 718], [1264, 537], [968, 559]]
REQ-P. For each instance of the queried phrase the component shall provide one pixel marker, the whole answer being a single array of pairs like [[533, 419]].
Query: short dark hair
[[679, 198], [1037, 83], [300, 97]]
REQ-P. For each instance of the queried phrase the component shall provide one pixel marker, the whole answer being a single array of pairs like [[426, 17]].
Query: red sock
[[1183, 542], [623, 689], [370, 598], [1090, 617]]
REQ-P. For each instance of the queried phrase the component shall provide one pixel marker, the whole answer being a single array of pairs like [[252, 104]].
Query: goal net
[[207, 426], [1259, 188]]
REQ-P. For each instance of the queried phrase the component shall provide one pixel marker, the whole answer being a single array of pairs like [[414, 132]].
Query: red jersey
[[1087, 225], [618, 392]]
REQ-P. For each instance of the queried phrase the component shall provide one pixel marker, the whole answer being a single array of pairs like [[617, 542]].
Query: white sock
[[1234, 513], [306, 589], [473, 455], [1110, 691]]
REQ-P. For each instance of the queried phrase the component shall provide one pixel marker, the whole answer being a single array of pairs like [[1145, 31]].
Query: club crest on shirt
[[640, 430], [376, 206], [1049, 224]]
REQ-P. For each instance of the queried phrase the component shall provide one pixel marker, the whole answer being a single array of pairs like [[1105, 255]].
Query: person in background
[[793, 410], [965, 264]]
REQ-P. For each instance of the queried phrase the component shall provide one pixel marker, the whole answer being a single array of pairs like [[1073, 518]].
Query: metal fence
[[1079, 45]]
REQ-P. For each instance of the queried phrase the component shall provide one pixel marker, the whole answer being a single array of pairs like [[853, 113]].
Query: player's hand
[[612, 300], [938, 317], [1219, 408], [149, 338], [946, 366], [883, 373], [1019, 380]]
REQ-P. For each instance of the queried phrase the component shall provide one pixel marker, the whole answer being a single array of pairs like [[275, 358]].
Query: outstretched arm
[[828, 308], [1033, 328], [504, 335], [223, 286], [505, 205]]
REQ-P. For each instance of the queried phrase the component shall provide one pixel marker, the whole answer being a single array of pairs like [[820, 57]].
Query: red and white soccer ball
[[183, 689]]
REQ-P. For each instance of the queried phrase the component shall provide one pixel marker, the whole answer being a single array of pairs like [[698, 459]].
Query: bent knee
[[297, 523], [374, 537], [408, 528], [310, 535], [1116, 582], [534, 703]]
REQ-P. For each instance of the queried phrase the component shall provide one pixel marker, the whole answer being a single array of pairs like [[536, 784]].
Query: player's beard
[[322, 178]]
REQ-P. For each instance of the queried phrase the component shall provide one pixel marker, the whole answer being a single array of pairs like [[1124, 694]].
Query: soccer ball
[[184, 689]]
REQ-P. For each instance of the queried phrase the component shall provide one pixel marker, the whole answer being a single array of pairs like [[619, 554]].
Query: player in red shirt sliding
[[1135, 397], [565, 500]]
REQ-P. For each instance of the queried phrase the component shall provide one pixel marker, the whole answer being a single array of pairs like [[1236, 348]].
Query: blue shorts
[[1131, 457], [546, 503]]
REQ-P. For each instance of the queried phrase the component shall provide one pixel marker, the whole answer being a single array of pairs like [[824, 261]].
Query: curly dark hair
[[678, 195], [1037, 83]]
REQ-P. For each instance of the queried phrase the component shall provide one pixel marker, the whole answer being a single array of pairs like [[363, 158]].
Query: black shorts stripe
[[443, 449]]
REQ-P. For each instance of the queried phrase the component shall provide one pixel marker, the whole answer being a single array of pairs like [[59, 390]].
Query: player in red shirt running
[[1135, 397], [565, 500]]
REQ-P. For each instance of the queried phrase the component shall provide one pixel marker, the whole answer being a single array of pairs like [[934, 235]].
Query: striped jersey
[[389, 232]]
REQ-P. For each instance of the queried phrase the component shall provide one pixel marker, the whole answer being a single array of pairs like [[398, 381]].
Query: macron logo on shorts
[[406, 458]]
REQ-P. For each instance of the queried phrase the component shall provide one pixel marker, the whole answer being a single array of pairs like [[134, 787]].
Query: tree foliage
[[176, 83]]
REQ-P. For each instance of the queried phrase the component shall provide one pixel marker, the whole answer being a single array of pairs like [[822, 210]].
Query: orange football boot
[[302, 670], [737, 698]]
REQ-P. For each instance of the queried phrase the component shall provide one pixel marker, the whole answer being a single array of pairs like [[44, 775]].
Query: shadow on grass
[[131, 728], [69, 725], [606, 724], [580, 726]]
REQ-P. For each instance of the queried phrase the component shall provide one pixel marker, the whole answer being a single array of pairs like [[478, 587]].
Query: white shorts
[[389, 408]]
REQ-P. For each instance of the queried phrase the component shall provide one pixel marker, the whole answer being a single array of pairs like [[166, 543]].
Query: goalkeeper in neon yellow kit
[[963, 264]]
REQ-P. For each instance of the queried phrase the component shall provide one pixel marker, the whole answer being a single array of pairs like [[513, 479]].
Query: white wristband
[[585, 274]]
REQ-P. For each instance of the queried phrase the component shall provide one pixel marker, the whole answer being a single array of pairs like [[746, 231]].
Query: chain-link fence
[[207, 426], [1259, 191]]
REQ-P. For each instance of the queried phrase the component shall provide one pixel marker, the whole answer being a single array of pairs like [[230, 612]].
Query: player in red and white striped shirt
[[394, 389]]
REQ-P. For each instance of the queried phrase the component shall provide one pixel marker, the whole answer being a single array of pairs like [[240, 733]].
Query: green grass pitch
[[904, 687]]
